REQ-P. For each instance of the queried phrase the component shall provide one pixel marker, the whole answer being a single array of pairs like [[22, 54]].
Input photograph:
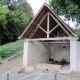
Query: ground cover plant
[[11, 48]]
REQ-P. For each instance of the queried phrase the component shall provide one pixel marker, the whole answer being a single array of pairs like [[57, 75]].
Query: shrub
[[11, 48]]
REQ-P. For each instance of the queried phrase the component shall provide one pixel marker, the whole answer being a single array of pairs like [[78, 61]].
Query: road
[[14, 66]]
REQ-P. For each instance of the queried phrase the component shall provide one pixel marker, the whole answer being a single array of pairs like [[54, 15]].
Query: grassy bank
[[11, 48]]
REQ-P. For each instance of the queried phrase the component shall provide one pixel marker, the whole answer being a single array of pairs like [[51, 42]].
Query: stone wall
[[38, 52], [78, 55], [60, 51]]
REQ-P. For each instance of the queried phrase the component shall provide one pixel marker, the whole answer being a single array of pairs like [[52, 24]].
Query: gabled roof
[[46, 24]]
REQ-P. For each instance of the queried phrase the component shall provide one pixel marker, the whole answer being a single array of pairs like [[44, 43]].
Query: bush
[[11, 48]]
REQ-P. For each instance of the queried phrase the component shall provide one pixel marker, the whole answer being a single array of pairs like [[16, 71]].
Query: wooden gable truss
[[47, 26]]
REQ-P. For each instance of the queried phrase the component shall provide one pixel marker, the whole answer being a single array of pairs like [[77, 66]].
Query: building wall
[[25, 53], [60, 51], [38, 52], [78, 55], [74, 55]]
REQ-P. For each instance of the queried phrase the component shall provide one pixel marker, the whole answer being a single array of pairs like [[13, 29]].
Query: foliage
[[69, 8], [77, 31], [13, 19], [25, 7], [11, 48], [3, 13], [9, 2]]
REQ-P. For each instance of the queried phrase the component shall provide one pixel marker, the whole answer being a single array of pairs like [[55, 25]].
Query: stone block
[[48, 66]]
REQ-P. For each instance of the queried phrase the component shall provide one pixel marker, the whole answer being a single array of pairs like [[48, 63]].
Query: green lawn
[[11, 48]]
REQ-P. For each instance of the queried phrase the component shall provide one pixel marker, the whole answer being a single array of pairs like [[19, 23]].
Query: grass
[[11, 48], [17, 56]]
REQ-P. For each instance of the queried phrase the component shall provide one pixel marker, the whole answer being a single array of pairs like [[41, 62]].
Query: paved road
[[14, 66], [10, 65]]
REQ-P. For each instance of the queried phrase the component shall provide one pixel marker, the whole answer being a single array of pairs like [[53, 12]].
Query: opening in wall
[[64, 47]]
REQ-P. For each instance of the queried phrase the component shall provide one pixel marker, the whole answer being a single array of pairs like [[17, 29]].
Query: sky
[[36, 4]]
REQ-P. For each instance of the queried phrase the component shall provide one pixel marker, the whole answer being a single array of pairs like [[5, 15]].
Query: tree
[[20, 15], [3, 12], [18, 19], [77, 31], [69, 8], [3, 20], [14, 17], [26, 8]]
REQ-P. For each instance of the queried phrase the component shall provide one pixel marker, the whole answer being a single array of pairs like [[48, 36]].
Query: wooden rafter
[[48, 25], [29, 31], [34, 31], [31, 22], [54, 28], [38, 19], [62, 34], [61, 25], [42, 29], [58, 32], [35, 23], [38, 25], [44, 25], [65, 31], [39, 33], [42, 19], [53, 34], [42, 34]]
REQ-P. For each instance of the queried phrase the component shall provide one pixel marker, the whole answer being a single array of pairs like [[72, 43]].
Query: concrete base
[[62, 71], [48, 66], [29, 68], [58, 52], [66, 67]]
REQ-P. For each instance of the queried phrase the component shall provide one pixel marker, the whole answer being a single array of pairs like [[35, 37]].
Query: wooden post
[[48, 25]]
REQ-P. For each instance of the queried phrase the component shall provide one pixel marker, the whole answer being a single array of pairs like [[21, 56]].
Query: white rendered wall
[[37, 53], [25, 53], [73, 55], [58, 52], [78, 55]]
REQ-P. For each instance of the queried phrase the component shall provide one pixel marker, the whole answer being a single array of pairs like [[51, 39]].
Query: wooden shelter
[[45, 28]]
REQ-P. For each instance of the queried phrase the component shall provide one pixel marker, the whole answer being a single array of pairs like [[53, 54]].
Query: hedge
[[10, 48]]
